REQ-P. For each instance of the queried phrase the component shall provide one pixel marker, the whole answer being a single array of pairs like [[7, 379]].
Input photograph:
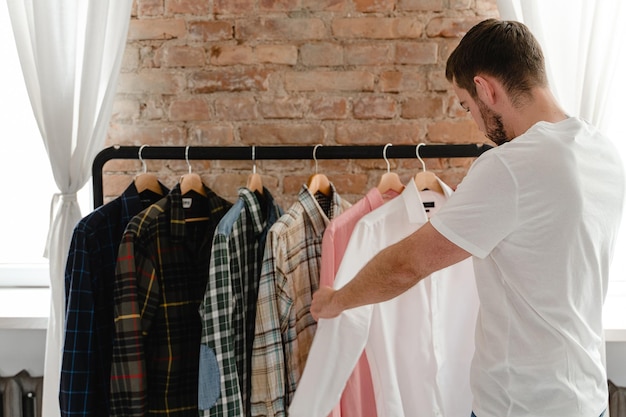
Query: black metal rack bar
[[241, 153]]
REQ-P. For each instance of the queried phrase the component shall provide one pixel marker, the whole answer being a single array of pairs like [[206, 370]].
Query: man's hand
[[323, 304]]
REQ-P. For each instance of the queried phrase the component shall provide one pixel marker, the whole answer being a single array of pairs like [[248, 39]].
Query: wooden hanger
[[390, 181], [191, 181], [318, 182], [255, 182], [146, 181], [426, 180]]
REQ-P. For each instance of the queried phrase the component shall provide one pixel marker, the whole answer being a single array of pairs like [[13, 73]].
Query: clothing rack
[[245, 153]]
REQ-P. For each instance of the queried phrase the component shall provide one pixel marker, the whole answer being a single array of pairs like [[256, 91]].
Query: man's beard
[[493, 124]]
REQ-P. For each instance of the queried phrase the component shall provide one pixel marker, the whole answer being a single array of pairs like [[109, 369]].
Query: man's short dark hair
[[506, 50]]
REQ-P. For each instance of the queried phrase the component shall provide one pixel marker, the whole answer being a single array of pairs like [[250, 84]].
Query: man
[[539, 215]]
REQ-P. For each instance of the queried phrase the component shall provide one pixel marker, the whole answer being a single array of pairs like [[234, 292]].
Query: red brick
[[180, 56], [277, 54], [400, 81], [114, 185], [421, 5], [248, 79], [278, 133], [232, 55], [374, 108], [423, 107], [376, 133], [437, 80], [237, 7], [189, 109], [280, 29], [371, 6], [149, 8], [152, 134], [324, 54], [147, 29], [329, 81], [193, 7], [329, 108], [212, 134], [130, 60], [279, 5], [462, 131], [236, 108], [211, 30], [460, 4], [450, 27], [283, 108], [416, 53], [293, 183], [300, 5], [152, 108], [150, 82], [377, 28], [324, 5], [124, 109], [368, 54]]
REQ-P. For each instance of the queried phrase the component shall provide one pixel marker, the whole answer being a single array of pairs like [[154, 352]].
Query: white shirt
[[540, 214], [419, 345]]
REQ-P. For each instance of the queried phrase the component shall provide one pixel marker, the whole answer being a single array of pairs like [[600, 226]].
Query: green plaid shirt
[[284, 325], [229, 307], [161, 273]]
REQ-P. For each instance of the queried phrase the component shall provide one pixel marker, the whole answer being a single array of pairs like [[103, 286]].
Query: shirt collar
[[177, 213], [314, 212], [254, 208], [447, 191], [131, 203], [413, 203]]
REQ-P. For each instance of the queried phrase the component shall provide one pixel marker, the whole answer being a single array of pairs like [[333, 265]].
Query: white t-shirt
[[540, 214]]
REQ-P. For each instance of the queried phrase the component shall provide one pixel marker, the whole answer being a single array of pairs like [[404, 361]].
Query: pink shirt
[[357, 399]]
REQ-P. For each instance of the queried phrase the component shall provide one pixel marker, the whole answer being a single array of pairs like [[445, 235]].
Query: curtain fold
[[71, 53]]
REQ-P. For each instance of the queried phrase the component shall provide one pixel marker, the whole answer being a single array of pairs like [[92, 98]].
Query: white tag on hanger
[[187, 202]]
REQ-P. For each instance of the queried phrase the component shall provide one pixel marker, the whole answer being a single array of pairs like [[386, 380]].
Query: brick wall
[[278, 72]]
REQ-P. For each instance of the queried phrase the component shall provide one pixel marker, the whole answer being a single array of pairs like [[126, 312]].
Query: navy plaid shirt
[[161, 275], [89, 274]]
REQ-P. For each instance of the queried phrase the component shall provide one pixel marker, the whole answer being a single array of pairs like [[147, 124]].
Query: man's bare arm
[[391, 272]]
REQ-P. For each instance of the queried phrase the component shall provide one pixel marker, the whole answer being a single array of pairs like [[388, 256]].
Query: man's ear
[[485, 89]]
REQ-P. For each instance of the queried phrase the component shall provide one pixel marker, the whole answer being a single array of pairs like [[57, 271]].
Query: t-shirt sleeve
[[483, 210]]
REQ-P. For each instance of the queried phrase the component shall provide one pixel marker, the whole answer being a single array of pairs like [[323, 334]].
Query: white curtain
[[582, 41], [70, 52]]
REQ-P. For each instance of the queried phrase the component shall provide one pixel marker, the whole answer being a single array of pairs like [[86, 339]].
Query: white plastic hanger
[[426, 180], [146, 181], [318, 182], [389, 180]]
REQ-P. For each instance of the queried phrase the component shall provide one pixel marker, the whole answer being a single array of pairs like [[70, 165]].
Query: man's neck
[[542, 107]]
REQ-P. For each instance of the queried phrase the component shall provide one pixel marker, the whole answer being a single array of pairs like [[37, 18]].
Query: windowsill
[[24, 308]]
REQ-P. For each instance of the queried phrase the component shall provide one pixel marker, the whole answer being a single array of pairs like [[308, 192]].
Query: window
[[28, 184]]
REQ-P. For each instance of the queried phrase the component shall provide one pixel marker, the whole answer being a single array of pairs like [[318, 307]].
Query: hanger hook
[[253, 160], [385, 156], [187, 158], [315, 155], [143, 163], [417, 153]]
